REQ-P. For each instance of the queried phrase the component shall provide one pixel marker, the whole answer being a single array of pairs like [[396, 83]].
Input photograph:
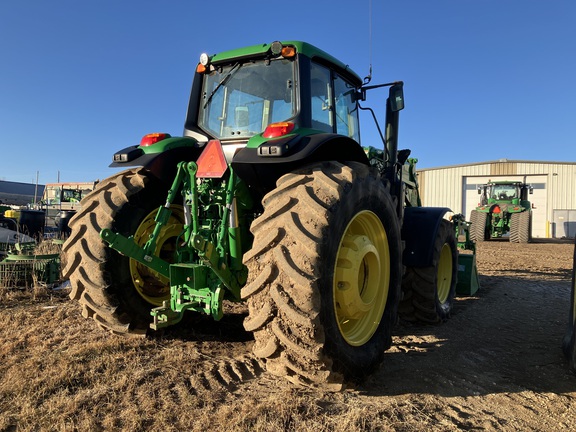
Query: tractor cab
[[504, 192], [272, 89]]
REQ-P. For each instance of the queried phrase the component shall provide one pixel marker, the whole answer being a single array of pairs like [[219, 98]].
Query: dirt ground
[[495, 365]]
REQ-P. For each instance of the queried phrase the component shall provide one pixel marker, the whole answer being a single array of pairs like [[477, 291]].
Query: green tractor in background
[[504, 209], [270, 199]]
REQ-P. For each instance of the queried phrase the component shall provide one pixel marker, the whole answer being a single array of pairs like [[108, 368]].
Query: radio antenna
[[369, 77]]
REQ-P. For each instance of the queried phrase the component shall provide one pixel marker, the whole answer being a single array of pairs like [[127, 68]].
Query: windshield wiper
[[223, 81]]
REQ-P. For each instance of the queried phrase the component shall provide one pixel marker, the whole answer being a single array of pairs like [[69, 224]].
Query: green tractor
[[569, 342], [268, 198], [504, 210]]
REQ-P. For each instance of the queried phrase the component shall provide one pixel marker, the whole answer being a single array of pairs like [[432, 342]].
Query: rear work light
[[288, 51], [153, 138], [275, 130], [203, 64]]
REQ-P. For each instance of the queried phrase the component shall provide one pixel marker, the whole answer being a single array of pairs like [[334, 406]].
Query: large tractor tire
[[324, 275], [114, 290], [429, 291], [520, 227], [478, 231], [569, 342]]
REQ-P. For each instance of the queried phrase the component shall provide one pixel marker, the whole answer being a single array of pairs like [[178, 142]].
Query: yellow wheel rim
[[444, 281], [361, 278], [150, 285]]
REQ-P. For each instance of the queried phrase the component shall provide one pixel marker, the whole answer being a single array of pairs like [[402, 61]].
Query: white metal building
[[19, 194], [553, 200]]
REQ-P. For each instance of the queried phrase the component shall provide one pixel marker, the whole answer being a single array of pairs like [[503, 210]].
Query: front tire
[[114, 290], [569, 342], [429, 291], [324, 275]]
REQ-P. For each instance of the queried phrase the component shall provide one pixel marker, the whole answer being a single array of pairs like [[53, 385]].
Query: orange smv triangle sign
[[212, 163]]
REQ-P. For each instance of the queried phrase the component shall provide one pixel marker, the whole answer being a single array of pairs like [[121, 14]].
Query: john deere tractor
[[569, 342], [268, 198], [504, 210]]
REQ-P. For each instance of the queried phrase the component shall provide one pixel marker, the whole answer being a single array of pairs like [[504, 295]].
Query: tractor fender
[[419, 230], [163, 160], [260, 169]]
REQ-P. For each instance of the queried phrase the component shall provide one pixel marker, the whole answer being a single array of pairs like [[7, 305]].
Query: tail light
[[153, 138], [275, 130]]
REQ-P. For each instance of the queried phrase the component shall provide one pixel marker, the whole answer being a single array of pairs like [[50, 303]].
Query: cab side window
[[346, 109], [334, 107], [321, 92]]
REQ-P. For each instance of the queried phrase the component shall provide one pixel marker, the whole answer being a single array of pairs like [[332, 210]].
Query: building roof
[[16, 188], [504, 160]]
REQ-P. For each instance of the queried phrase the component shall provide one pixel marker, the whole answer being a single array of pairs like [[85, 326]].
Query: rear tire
[[478, 231], [115, 291], [429, 291], [569, 342], [324, 275]]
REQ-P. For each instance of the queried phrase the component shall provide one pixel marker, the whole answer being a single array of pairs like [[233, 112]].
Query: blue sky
[[484, 79]]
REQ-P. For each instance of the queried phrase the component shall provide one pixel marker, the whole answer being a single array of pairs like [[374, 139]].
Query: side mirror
[[396, 97]]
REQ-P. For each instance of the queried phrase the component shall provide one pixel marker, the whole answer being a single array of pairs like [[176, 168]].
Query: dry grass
[[47, 247], [59, 371]]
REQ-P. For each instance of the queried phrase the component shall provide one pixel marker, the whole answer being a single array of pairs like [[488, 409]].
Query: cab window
[[240, 100], [346, 109], [334, 107], [320, 89]]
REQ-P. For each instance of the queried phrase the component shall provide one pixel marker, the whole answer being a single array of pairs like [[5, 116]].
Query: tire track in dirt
[[226, 374]]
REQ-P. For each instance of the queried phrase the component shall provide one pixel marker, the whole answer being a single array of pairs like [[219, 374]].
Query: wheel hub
[[361, 278], [151, 285], [358, 269]]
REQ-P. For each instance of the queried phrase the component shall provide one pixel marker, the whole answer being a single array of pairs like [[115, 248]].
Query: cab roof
[[302, 48]]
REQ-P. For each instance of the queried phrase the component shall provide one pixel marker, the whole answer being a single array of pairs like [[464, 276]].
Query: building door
[[564, 223]]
